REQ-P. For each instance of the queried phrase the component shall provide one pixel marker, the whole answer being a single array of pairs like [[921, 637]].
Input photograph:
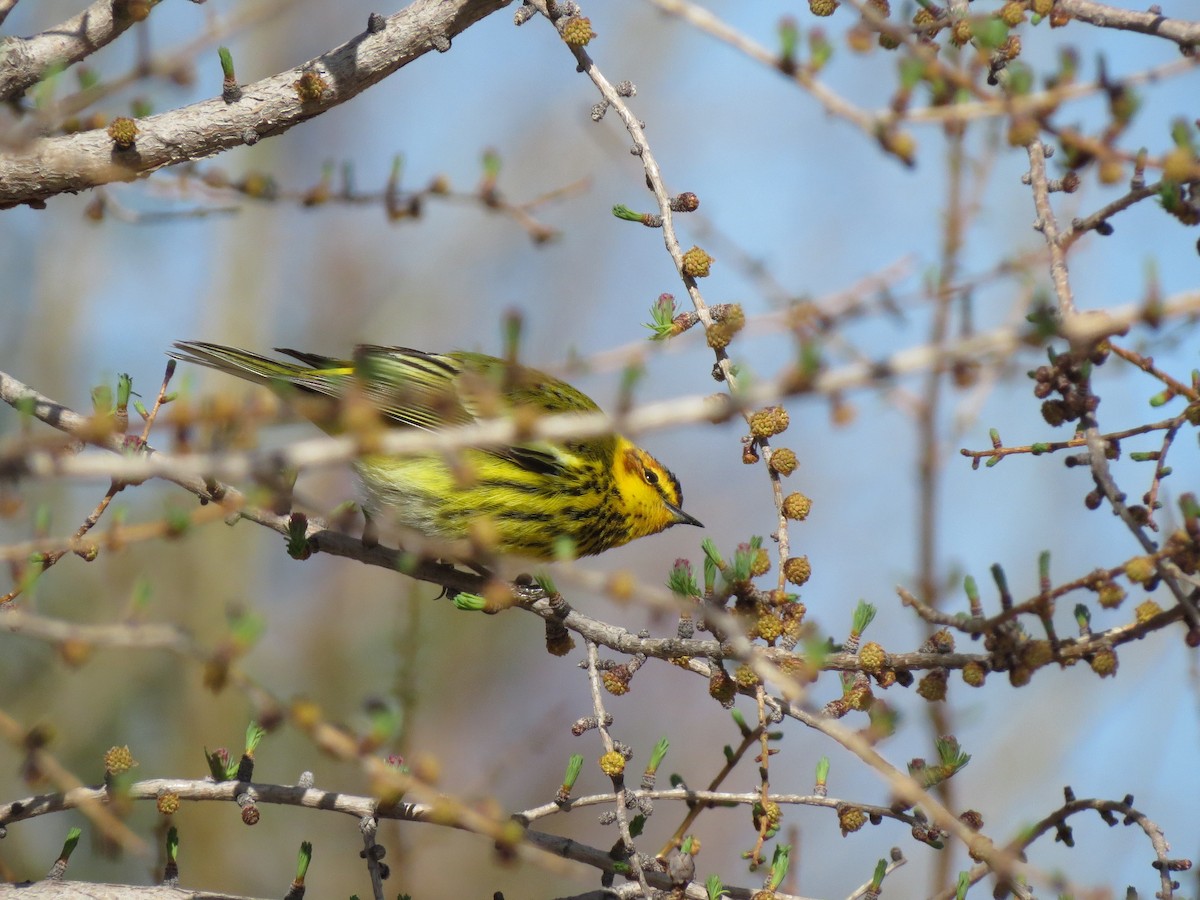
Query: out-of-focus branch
[[6, 6], [71, 163], [203, 486], [189, 471], [142, 635], [1039, 101], [41, 763], [831, 102]]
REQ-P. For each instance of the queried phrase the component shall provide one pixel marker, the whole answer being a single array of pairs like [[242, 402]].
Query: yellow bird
[[541, 499]]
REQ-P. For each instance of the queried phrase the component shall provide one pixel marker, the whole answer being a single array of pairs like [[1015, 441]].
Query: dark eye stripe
[[678, 491]]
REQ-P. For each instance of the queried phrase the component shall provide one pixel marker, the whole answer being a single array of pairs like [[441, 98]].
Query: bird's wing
[[411, 387], [434, 390]]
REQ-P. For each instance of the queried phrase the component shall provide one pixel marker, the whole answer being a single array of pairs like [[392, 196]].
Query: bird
[[538, 499]]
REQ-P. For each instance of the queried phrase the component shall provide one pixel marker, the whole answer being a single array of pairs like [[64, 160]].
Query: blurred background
[[795, 204]]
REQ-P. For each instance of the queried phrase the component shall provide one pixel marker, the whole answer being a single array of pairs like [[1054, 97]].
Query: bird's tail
[[318, 374]]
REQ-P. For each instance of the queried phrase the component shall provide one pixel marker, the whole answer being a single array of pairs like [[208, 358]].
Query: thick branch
[[1186, 34], [72, 163], [25, 61], [53, 889]]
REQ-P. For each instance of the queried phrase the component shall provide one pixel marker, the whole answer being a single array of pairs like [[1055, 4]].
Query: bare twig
[[1146, 364], [1108, 810], [1048, 226], [1096, 443], [61, 889], [1080, 227], [619, 807], [1076, 441], [373, 852]]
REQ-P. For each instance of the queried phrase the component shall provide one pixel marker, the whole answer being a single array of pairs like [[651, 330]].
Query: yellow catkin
[[1140, 569], [123, 131], [1104, 663], [577, 31], [783, 461], [797, 506], [1146, 611], [974, 674], [871, 657], [697, 263], [612, 763], [850, 818], [118, 760], [1012, 13], [797, 570]]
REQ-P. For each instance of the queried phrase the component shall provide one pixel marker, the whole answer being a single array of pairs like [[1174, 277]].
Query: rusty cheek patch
[[633, 464]]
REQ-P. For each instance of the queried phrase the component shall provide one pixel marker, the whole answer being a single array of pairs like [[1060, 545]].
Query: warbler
[[539, 499]]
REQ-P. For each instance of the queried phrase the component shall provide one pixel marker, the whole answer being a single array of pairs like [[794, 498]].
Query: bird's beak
[[682, 518]]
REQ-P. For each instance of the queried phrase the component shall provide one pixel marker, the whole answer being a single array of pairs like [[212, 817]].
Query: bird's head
[[649, 492]]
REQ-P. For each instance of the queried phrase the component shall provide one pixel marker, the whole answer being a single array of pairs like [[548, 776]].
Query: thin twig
[[1096, 443], [619, 806], [1043, 447], [731, 760], [1146, 364], [1048, 226], [372, 852]]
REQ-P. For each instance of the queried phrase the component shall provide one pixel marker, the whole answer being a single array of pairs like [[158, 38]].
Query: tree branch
[[27, 60], [72, 163], [1185, 34], [55, 889]]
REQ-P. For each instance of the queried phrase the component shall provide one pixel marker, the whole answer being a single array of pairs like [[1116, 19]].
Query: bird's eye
[[651, 476]]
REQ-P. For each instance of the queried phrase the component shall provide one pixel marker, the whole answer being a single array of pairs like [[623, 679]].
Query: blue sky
[[810, 197]]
